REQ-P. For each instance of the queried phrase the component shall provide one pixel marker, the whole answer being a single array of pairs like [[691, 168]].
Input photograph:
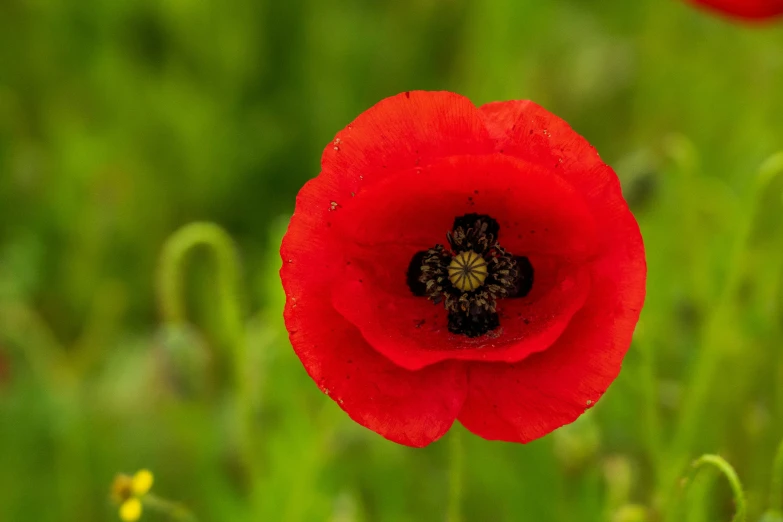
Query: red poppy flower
[[453, 262], [749, 9]]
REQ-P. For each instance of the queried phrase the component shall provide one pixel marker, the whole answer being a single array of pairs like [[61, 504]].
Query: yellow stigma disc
[[467, 271]]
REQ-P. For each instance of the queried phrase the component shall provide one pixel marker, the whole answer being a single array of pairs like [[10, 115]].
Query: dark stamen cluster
[[470, 275]]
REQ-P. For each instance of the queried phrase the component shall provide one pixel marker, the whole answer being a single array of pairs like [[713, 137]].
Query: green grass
[[122, 121]]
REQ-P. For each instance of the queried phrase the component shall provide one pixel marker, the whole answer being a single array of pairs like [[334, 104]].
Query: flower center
[[470, 275], [467, 271]]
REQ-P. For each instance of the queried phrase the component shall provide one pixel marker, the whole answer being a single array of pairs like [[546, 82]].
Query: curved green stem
[[456, 472], [728, 471], [173, 510], [171, 294], [170, 285], [171, 272]]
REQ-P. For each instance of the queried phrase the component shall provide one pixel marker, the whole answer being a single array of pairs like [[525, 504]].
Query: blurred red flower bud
[[748, 9]]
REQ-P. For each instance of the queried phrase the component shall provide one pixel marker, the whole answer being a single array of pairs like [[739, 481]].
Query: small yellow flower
[[130, 510], [128, 493], [142, 482]]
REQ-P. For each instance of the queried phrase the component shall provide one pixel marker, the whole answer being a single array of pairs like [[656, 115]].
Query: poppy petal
[[413, 332], [538, 211], [405, 131], [528, 131], [413, 210], [521, 402], [411, 408]]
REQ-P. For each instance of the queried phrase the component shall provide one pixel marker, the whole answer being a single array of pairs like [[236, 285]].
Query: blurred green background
[[122, 121]]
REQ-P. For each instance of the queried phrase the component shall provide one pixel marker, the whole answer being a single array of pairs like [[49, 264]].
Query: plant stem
[[171, 273], [652, 416], [174, 510], [728, 471], [171, 293], [456, 472]]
